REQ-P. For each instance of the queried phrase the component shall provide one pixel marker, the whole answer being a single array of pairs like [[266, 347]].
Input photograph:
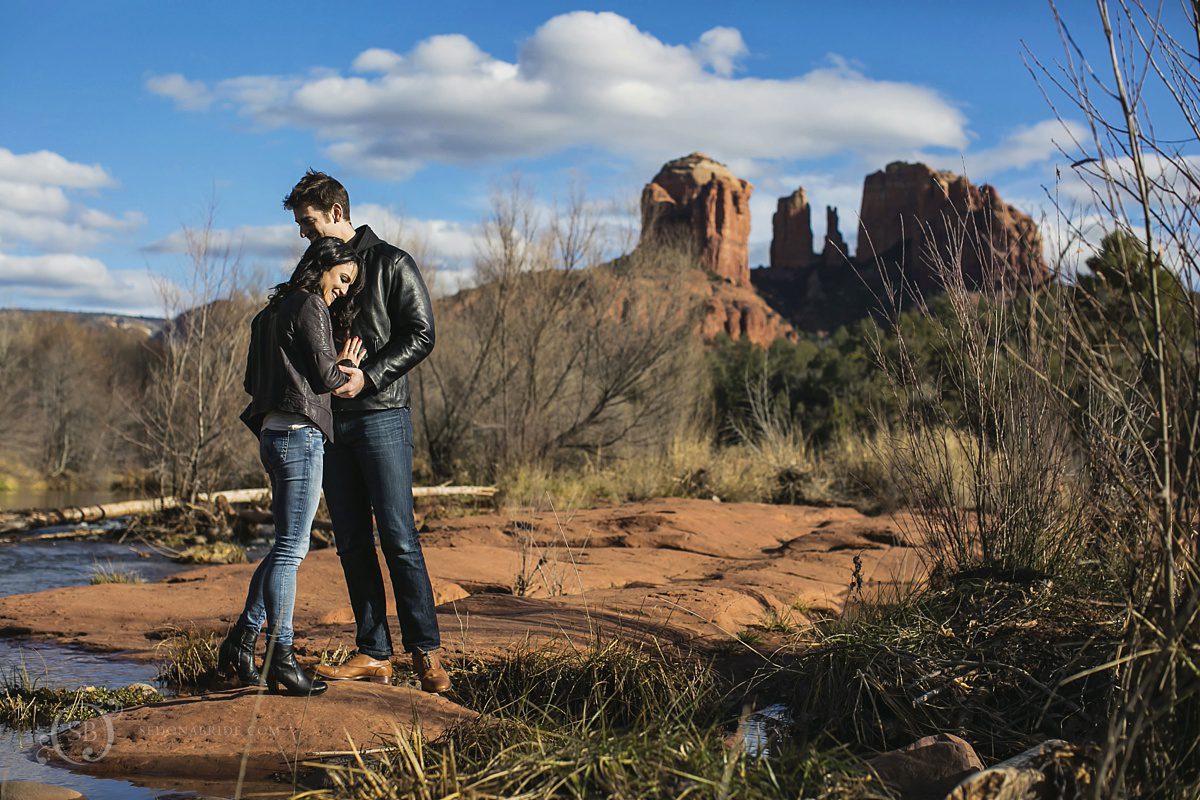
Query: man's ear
[[337, 212]]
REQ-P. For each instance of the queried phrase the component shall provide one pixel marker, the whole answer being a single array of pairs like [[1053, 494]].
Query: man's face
[[314, 223]]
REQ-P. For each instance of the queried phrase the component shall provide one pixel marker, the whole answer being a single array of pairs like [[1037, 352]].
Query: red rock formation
[[791, 237], [915, 217], [742, 313], [698, 202], [835, 251]]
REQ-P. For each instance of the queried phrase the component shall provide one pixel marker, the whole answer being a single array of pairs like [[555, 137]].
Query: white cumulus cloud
[[33, 198], [720, 49], [45, 235], [78, 282], [279, 242], [51, 169], [584, 79], [1020, 149], [188, 95]]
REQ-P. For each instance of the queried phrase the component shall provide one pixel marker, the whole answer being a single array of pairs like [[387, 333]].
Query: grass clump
[[609, 720], [107, 573], [187, 659], [994, 661], [618, 683]]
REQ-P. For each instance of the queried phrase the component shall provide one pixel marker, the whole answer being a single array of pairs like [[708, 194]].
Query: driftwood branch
[[32, 519], [1027, 776]]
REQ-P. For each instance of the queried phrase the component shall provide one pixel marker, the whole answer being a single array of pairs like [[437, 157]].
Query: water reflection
[[48, 665], [46, 498]]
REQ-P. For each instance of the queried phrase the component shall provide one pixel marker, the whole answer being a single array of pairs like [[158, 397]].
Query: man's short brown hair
[[320, 191]]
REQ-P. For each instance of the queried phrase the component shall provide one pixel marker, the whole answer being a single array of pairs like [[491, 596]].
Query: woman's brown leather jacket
[[292, 364]]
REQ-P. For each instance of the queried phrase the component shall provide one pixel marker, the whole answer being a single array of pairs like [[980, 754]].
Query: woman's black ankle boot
[[284, 675], [236, 656]]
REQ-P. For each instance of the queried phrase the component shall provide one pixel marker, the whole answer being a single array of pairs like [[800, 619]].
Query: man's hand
[[352, 387]]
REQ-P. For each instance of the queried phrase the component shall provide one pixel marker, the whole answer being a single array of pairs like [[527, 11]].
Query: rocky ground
[[685, 572]]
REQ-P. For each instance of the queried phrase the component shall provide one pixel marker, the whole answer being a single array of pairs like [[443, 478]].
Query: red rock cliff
[[912, 217], [791, 232], [700, 203]]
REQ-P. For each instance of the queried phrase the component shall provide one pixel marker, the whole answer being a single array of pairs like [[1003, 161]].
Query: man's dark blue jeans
[[368, 468]]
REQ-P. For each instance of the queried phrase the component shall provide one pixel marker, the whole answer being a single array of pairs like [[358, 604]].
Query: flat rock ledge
[[208, 737], [31, 790]]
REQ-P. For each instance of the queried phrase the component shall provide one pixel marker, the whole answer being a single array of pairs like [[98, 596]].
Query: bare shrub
[[187, 418], [983, 451], [1130, 335], [556, 355]]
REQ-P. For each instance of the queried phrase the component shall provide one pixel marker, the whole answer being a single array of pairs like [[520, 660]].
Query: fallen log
[[1031, 775], [31, 519]]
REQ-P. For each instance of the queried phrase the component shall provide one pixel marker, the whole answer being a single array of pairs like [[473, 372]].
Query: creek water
[[37, 566]]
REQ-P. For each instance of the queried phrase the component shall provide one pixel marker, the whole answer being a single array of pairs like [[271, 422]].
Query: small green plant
[[107, 573], [23, 705], [750, 637], [774, 621], [213, 553]]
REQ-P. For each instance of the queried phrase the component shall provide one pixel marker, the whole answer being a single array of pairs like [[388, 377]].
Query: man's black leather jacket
[[292, 364], [395, 321]]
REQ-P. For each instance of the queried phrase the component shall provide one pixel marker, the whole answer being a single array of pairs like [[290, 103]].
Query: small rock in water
[[141, 688], [32, 790]]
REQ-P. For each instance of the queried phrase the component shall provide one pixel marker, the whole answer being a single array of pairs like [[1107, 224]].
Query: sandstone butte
[[912, 218], [912, 215], [687, 574], [697, 203]]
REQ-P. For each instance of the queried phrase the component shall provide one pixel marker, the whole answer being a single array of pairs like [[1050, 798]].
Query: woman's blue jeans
[[294, 461], [370, 471]]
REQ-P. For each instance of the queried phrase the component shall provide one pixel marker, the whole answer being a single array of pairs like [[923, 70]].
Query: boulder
[[913, 216], [697, 202], [214, 736], [927, 769], [791, 237]]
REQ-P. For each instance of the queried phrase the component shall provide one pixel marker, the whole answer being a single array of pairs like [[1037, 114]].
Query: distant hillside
[[149, 326]]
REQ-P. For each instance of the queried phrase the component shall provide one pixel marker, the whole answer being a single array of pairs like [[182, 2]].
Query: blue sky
[[125, 121]]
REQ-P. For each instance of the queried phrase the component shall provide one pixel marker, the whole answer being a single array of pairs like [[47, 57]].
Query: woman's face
[[336, 281]]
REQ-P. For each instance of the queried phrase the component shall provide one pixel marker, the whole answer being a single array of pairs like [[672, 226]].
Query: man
[[368, 466]]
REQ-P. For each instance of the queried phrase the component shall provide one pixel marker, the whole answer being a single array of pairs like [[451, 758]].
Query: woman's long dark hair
[[321, 256]]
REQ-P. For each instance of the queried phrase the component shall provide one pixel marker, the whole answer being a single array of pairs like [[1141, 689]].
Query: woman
[[291, 369]]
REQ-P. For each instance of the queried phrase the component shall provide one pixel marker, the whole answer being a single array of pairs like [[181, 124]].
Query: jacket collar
[[364, 239]]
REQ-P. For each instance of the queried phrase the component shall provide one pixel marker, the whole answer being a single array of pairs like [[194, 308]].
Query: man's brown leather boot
[[360, 667], [429, 667]]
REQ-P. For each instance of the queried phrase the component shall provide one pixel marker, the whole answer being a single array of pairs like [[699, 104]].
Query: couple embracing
[[338, 416]]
